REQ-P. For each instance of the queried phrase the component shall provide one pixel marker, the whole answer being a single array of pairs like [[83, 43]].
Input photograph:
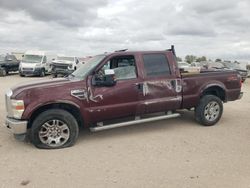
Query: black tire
[[42, 74], [3, 72], [20, 74], [44, 119], [209, 115], [54, 75]]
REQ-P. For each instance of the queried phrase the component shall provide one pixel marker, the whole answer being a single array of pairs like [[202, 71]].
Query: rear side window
[[156, 65]]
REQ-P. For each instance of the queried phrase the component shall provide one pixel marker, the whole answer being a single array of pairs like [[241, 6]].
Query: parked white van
[[36, 63]]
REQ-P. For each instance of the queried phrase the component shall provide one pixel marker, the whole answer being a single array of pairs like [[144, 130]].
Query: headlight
[[70, 66], [17, 108]]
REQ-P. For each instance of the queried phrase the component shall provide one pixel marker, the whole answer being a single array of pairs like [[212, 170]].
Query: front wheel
[[209, 110], [42, 74], [54, 129], [3, 72], [54, 76]]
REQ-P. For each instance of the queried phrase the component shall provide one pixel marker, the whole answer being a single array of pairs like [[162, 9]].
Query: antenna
[[172, 49]]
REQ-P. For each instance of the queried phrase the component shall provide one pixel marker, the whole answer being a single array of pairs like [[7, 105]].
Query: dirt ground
[[169, 153]]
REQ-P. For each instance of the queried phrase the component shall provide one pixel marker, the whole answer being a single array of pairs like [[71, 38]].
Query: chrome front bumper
[[16, 126]]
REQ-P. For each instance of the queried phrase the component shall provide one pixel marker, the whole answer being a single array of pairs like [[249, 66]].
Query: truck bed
[[193, 82]]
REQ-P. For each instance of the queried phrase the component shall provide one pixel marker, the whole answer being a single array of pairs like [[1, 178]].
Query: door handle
[[177, 85]]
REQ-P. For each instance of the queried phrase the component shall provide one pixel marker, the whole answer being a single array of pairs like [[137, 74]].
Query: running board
[[137, 121]]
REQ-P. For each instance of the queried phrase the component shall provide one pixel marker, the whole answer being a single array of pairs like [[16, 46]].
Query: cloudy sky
[[214, 28]]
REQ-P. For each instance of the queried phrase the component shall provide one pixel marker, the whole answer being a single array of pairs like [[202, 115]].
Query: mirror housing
[[108, 79]]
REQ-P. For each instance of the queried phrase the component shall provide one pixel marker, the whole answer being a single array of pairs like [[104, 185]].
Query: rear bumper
[[17, 127]]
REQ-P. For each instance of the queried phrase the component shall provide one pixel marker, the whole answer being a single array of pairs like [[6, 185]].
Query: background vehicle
[[8, 63], [64, 65], [235, 66], [183, 65], [248, 70], [186, 67], [36, 63], [196, 64], [115, 90]]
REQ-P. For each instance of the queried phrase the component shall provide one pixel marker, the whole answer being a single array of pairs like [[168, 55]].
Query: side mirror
[[108, 79]]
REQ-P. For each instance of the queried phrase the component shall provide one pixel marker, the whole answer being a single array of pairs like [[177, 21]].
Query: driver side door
[[120, 100]]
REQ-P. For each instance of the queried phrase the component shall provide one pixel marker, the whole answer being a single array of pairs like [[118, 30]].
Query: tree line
[[193, 58]]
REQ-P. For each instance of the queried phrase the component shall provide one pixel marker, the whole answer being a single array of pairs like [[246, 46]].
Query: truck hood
[[29, 65], [41, 84]]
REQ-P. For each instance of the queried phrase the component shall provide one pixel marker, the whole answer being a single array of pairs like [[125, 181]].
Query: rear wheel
[[209, 110], [54, 129]]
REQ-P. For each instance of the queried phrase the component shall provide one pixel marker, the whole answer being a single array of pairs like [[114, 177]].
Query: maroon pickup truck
[[114, 90]]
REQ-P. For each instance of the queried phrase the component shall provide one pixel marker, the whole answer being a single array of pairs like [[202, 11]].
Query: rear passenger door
[[161, 87]]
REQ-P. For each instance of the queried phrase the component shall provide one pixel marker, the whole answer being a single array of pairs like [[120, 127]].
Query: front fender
[[30, 109]]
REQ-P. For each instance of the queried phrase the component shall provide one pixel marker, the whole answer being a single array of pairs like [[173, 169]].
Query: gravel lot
[[170, 153]]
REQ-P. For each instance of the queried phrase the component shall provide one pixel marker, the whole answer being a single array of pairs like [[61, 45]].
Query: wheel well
[[215, 90], [68, 107]]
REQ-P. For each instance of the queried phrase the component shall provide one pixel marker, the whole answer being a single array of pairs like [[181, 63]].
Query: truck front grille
[[27, 69], [60, 66]]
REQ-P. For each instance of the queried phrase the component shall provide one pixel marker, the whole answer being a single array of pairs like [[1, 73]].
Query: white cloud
[[212, 28]]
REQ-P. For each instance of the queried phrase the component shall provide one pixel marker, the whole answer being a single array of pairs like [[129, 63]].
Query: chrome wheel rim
[[54, 133], [212, 111]]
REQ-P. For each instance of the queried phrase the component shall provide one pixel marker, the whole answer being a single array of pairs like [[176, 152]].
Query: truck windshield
[[85, 68], [65, 58], [32, 58]]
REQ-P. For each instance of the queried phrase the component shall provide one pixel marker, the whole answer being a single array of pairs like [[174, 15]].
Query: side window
[[123, 66], [44, 59], [156, 65]]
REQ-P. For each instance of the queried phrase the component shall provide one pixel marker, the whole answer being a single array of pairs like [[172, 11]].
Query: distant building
[[18, 55]]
